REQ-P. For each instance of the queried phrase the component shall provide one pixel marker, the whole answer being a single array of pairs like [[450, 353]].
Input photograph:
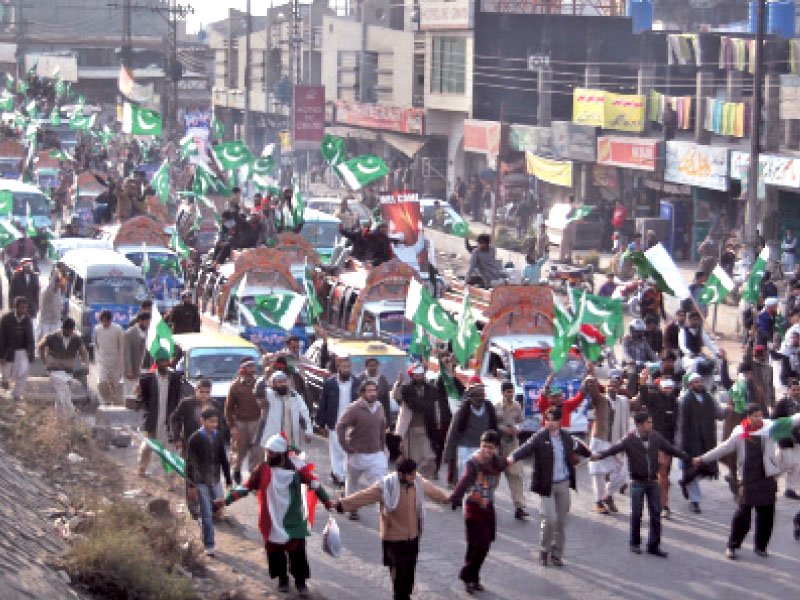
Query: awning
[[407, 144]]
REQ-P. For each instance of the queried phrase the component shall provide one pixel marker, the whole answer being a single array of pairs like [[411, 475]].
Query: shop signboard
[[378, 116], [557, 172], [482, 137], [451, 14], [538, 140], [631, 153], [693, 164], [588, 107], [577, 142], [308, 123], [783, 171], [598, 108]]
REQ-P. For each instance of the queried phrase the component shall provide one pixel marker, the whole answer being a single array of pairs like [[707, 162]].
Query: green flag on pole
[[361, 170], [138, 120], [717, 287], [333, 149], [171, 461], [752, 289], [217, 129], [604, 313], [424, 310], [160, 181], [280, 309], [467, 338], [420, 344], [159, 335]]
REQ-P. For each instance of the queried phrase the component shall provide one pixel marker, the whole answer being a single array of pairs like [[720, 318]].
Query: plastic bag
[[331, 540]]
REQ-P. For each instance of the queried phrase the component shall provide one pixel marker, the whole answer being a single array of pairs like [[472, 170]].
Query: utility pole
[[247, 124], [127, 49], [19, 27], [751, 212]]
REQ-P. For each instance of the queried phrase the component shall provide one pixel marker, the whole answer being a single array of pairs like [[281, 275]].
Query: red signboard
[[628, 152], [308, 106], [482, 137], [378, 116]]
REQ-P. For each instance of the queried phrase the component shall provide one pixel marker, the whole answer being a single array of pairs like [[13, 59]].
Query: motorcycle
[[563, 276], [631, 295]]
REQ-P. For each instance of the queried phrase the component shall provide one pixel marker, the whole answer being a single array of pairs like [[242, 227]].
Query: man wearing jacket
[[159, 394], [243, 415], [554, 453], [337, 392], [789, 449], [420, 398], [133, 351], [16, 346], [642, 448], [285, 414]]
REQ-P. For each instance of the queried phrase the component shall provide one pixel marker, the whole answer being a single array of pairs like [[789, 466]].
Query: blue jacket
[[328, 410]]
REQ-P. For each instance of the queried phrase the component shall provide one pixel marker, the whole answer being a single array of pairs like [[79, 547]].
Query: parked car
[[588, 233], [447, 218]]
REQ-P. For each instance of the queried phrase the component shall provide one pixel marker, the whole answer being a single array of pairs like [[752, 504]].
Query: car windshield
[[161, 263], [218, 363], [321, 234], [537, 369], [390, 366], [115, 290], [396, 323], [40, 205]]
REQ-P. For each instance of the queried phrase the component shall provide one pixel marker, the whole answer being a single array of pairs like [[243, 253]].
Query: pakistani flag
[[60, 155], [232, 155], [665, 272], [6, 202], [105, 135], [467, 338], [752, 289], [718, 286], [138, 120], [81, 122], [262, 166], [217, 129], [314, 307], [361, 170], [591, 342], [22, 86], [177, 244], [60, 88], [424, 310], [159, 335], [9, 81], [333, 149], [30, 226], [30, 108], [55, 116], [8, 233], [188, 147], [171, 461], [738, 394], [420, 344], [280, 309], [207, 182], [460, 229], [6, 102], [565, 331], [160, 181], [604, 313]]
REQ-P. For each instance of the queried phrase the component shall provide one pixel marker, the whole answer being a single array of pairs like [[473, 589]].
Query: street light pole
[[246, 125], [752, 212]]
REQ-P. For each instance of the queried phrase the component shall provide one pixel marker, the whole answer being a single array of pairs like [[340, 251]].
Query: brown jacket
[[242, 404], [360, 430], [402, 524]]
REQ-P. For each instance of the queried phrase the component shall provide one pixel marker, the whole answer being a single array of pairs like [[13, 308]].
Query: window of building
[[448, 60]]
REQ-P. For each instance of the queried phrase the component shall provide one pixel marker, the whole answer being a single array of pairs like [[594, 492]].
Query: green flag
[[217, 129], [81, 122], [752, 289], [467, 338], [738, 394], [232, 155], [314, 307], [281, 309], [604, 313], [30, 226], [6, 202], [22, 86], [262, 166], [718, 285], [55, 116], [424, 310], [460, 229], [361, 170], [160, 181], [9, 81], [159, 335], [420, 344], [60, 88], [8, 233], [60, 155], [188, 147], [565, 331], [333, 149], [177, 244], [6, 102], [645, 270], [30, 108], [138, 120], [171, 461], [207, 182]]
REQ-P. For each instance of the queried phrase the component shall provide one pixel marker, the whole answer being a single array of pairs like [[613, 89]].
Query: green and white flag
[[467, 338], [6, 102], [361, 170], [81, 122], [738, 393], [22, 86], [718, 286], [177, 244], [420, 345], [9, 81], [188, 147], [752, 289], [279, 309], [60, 88], [30, 108], [207, 182], [333, 149], [159, 335], [217, 129], [30, 226], [460, 229], [424, 310], [662, 263], [314, 307], [55, 116], [262, 166], [8, 233], [171, 461], [565, 331], [138, 120], [579, 213], [160, 181], [6, 202], [232, 155], [604, 313]]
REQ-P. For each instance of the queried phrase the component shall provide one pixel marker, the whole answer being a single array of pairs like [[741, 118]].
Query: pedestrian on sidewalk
[[643, 448], [159, 393], [554, 453], [58, 352], [337, 392], [754, 444], [16, 346], [509, 425], [243, 414], [205, 458], [133, 352], [109, 354], [361, 431], [402, 496], [476, 487], [282, 519]]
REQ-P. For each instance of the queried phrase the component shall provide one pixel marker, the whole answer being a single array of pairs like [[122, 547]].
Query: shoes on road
[[761, 553], [665, 512], [283, 585], [302, 589], [695, 507], [520, 514], [478, 587], [657, 552], [635, 549], [730, 553], [543, 556], [791, 494], [609, 502], [556, 561], [470, 587], [600, 508]]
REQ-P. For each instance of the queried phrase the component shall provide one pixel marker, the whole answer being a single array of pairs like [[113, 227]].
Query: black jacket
[[643, 462], [663, 408], [425, 405], [328, 411], [16, 336], [30, 291], [205, 456], [185, 318], [148, 397], [184, 420], [540, 448], [444, 401]]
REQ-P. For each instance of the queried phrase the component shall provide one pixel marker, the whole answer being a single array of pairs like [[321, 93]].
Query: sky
[[209, 11]]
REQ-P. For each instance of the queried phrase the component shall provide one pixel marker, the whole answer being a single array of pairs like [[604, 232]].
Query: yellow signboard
[[597, 108], [557, 172]]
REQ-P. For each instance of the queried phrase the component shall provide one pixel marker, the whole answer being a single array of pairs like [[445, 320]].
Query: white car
[[330, 205]]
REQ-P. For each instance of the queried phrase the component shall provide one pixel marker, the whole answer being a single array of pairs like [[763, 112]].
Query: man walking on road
[[419, 397], [509, 424], [642, 448], [16, 346], [554, 453], [789, 448], [58, 352], [133, 351], [185, 317], [472, 419], [285, 414], [51, 306], [372, 373], [402, 497], [361, 430], [25, 283], [243, 414], [337, 392], [109, 355]]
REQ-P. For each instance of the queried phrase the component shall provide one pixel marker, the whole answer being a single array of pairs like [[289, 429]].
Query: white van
[[26, 195]]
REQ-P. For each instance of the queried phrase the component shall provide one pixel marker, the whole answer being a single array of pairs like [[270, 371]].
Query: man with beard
[[372, 374], [185, 317], [337, 392], [243, 415], [419, 397], [286, 413], [672, 331], [698, 412], [469, 423], [449, 392]]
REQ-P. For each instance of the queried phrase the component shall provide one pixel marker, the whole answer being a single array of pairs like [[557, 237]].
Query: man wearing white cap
[[419, 397], [286, 413], [337, 392], [661, 402], [765, 322]]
